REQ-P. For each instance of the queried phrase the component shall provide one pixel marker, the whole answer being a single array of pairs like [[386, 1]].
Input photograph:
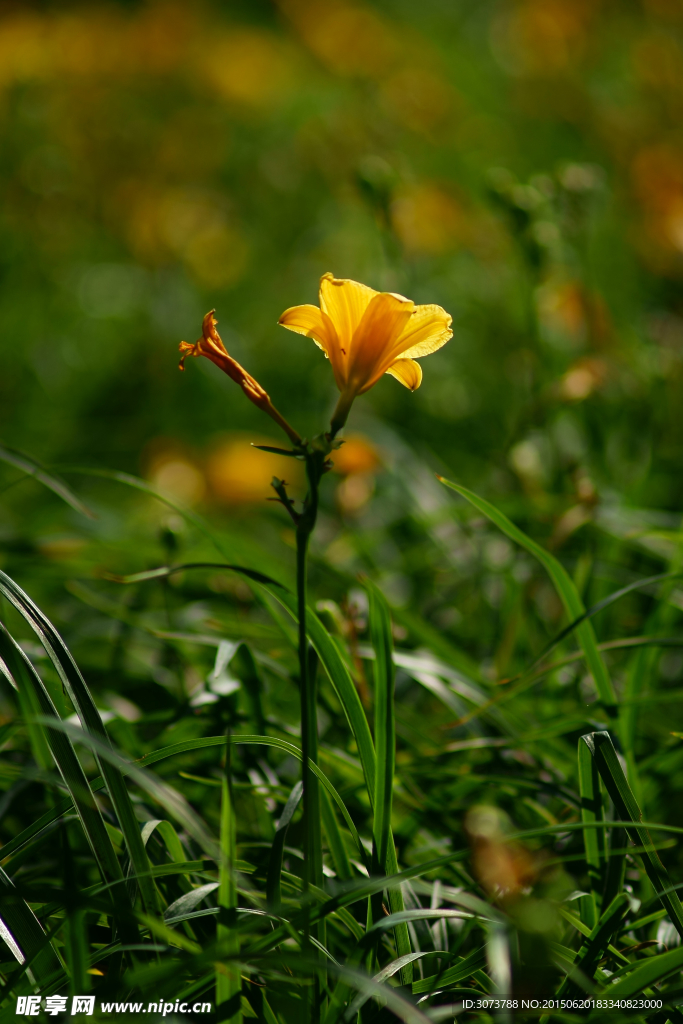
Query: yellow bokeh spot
[[172, 469], [180, 478], [240, 474], [356, 455], [248, 67], [349, 38]]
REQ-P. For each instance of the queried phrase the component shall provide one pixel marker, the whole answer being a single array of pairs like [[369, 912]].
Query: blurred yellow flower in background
[[356, 455], [172, 468], [240, 474], [356, 461], [231, 472], [366, 334]]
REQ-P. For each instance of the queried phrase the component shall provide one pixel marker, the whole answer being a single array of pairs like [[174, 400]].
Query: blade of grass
[[273, 889], [244, 667], [643, 668], [594, 946], [393, 968], [465, 967], [26, 932], [379, 619], [24, 676], [566, 590], [335, 841], [599, 607], [27, 464], [29, 705], [601, 747], [185, 904], [593, 839], [82, 700], [646, 973], [169, 570]]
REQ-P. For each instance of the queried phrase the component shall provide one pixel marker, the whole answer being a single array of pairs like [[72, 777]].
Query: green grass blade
[[615, 875], [342, 682], [601, 747], [82, 700], [335, 841], [29, 704], [385, 758], [273, 888], [22, 927], [171, 570], [185, 904], [244, 667], [388, 972], [76, 943], [385, 737], [27, 464], [566, 590], [465, 968], [169, 837], [593, 839], [645, 973], [594, 946], [228, 981], [25, 677], [599, 607]]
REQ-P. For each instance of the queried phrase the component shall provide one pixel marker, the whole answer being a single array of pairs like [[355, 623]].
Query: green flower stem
[[312, 844], [341, 412]]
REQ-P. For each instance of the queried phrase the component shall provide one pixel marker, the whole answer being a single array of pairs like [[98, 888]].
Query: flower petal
[[344, 302], [314, 323], [307, 320], [427, 330], [374, 341], [408, 372]]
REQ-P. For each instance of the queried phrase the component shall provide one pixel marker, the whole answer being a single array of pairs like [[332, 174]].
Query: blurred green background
[[518, 162]]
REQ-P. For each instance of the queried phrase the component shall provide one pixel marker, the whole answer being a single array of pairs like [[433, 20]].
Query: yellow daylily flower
[[366, 334]]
